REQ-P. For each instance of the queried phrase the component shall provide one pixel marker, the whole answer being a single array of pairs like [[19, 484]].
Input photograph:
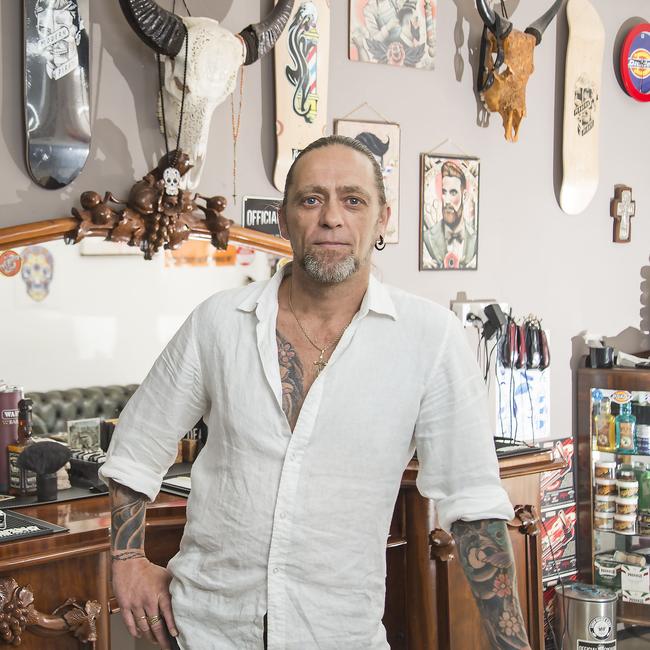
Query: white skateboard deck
[[301, 80], [582, 87]]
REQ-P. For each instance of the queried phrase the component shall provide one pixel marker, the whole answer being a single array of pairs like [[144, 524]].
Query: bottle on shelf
[[625, 424], [604, 426], [642, 433], [21, 482]]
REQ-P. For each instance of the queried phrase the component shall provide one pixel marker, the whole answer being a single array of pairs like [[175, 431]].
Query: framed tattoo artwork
[[449, 197], [383, 139], [393, 32]]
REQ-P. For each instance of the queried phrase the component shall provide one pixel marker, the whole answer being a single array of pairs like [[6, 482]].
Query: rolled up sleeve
[[454, 441], [168, 403]]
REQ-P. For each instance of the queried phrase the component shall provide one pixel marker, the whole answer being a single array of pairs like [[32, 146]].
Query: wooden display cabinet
[[590, 540]]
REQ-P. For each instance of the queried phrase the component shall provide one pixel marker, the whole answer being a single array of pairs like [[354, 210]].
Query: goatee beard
[[326, 272]]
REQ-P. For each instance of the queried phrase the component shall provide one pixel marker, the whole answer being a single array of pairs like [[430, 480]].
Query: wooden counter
[[428, 603]]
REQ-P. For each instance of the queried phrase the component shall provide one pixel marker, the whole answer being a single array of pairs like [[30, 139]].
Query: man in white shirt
[[317, 387]]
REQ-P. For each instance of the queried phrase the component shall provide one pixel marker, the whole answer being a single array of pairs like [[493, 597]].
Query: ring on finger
[[142, 618], [152, 620]]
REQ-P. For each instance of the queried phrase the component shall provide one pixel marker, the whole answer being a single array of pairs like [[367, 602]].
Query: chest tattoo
[[293, 379]]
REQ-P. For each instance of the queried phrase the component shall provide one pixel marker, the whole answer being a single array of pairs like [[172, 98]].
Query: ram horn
[[538, 27], [163, 31], [261, 37], [499, 26]]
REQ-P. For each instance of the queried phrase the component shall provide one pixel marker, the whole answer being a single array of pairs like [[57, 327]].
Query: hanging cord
[[559, 579], [184, 4], [162, 105], [236, 126], [365, 105]]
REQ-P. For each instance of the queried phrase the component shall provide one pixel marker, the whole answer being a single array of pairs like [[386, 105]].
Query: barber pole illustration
[[303, 49], [301, 84]]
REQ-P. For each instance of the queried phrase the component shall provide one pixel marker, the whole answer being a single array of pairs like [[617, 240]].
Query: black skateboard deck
[[56, 90]]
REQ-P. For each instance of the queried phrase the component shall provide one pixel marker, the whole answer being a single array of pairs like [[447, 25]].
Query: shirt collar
[[263, 297]]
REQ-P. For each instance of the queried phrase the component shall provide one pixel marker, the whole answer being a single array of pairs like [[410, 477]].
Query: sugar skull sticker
[[37, 271]]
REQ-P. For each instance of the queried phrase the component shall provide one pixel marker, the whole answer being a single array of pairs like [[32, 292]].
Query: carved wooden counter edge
[[52, 229], [508, 467]]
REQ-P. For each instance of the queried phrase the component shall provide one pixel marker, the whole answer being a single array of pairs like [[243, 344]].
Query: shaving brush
[[45, 459]]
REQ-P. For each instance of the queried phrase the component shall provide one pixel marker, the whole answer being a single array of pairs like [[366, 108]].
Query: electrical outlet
[[469, 311]]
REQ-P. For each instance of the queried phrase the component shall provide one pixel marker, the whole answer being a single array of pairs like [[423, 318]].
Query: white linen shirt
[[297, 524]]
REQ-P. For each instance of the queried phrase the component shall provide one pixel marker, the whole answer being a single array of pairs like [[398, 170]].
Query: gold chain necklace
[[321, 363]]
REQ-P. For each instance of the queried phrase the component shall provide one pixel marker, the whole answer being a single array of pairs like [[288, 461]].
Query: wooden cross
[[622, 209]]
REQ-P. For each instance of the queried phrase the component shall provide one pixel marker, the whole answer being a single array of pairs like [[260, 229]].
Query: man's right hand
[[142, 591]]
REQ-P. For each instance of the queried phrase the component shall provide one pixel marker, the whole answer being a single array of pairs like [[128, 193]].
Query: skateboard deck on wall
[[56, 90], [582, 87], [301, 81]]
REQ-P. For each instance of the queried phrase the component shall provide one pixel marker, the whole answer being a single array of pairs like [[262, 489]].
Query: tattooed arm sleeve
[[127, 522], [485, 553]]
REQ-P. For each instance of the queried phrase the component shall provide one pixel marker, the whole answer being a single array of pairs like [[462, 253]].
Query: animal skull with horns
[[506, 63], [215, 56]]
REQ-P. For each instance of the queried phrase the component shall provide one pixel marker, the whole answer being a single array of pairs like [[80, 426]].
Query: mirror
[[98, 314]]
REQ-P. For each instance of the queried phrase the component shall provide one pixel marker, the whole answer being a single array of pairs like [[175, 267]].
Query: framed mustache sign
[[449, 197]]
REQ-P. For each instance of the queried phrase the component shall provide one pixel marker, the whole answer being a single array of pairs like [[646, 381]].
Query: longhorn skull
[[507, 63], [215, 56]]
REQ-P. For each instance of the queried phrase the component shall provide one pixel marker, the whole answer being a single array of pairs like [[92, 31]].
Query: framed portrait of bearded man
[[449, 212]]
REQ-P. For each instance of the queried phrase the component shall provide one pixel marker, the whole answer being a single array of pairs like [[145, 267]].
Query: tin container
[[9, 398], [604, 503], [627, 488], [625, 524], [605, 469], [626, 505], [604, 520], [606, 487]]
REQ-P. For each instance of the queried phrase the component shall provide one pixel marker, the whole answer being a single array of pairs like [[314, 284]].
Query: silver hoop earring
[[380, 244]]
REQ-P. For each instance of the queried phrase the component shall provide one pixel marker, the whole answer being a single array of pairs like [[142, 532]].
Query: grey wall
[[531, 255]]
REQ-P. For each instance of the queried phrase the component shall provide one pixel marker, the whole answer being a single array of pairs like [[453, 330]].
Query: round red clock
[[635, 62]]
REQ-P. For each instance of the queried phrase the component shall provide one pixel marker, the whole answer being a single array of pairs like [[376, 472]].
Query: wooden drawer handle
[[17, 614]]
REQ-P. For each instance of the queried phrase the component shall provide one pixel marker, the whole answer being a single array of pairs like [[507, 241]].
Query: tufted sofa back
[[54, 408]]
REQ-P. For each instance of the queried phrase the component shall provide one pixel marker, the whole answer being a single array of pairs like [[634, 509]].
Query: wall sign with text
[[261, 214]]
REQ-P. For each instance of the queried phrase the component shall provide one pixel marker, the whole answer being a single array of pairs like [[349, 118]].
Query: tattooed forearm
[[127, 522], [486, 556], [292, 376]]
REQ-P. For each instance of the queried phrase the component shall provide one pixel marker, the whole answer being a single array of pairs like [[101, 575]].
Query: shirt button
[[293, 456], [283, 515], [276, 570]]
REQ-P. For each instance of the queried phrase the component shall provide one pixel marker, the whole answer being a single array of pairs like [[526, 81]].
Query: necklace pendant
[[172, 181], [321, 363]]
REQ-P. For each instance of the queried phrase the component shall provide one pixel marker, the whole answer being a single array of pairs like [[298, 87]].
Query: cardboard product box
[[635, 583], [548, 598], [558, 487], [558, 541]]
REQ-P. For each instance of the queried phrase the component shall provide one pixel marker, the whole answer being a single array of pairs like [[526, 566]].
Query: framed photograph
[[449, 197], [84, 434], [393, 32], [383, 139]]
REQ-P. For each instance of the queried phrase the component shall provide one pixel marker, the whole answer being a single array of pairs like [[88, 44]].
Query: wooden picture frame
[[383, 140], [449, 212]]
